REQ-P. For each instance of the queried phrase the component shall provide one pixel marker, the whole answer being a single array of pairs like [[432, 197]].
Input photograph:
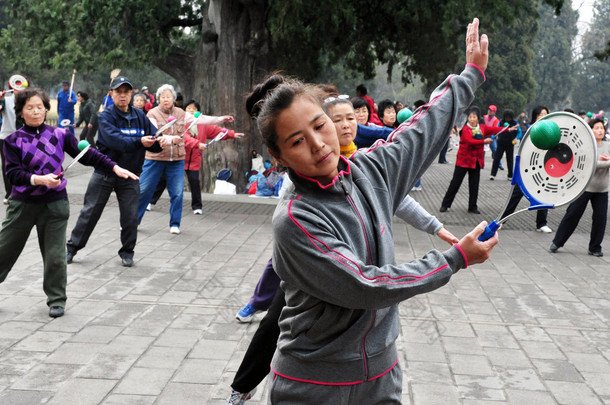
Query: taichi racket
[[171, 120], [553, 177], [218, 137], [76, 159]]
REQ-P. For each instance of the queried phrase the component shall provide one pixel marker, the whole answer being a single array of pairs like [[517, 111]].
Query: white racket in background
[[553, 177]]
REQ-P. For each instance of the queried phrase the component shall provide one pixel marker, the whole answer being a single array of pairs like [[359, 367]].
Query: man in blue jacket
[[66, 100], [124, 136]]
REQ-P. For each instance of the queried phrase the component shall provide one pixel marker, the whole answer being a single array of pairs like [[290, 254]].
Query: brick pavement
[[525, 327]]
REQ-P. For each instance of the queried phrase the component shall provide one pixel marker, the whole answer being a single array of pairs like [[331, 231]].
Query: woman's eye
[[297, 142], [320, 126]]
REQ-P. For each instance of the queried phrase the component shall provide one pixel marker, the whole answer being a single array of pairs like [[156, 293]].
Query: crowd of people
[[332, 288], [131, 152]]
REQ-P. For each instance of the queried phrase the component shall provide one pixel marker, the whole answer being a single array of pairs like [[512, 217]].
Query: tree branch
[[184, 22]]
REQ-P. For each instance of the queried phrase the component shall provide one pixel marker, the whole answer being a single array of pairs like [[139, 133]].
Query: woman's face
[[542, 114], [166, 100], [79, 98], [599, 131], [389, 116], [307, 141], [342, 115], [473, 119], [362, 115], [34, 112], [191, 109], [139, 102]]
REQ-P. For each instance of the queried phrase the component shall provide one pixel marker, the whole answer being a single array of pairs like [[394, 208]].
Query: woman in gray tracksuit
[[334, 247]]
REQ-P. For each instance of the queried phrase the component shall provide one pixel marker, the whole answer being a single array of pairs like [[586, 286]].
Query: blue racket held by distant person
[[556, 160]]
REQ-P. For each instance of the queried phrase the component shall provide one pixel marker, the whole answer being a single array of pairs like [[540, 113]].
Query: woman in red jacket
[[470, 159], [192, 161]]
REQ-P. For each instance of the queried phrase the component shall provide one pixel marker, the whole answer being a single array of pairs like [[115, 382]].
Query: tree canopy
[[217, 49], [591, 90], [553, 64]]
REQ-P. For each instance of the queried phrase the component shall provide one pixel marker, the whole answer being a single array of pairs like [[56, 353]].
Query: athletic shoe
[[509, 178], [596, 254], [174, 230], [246, 314], [238, 398], [443, 209], [501, 168], [69, 257], [56, 312], [127, 261], [5, 202], [416, 188], [544, 229], [553, 248], [198, 212], [149, 207], [474, 211], [492, 177]]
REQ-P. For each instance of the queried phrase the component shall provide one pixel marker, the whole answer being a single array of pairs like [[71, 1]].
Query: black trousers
[[257, 361], [514, 201], [89, 134], [599, 203], [504, 146], [442, 157], [459, 173], [100, 187]]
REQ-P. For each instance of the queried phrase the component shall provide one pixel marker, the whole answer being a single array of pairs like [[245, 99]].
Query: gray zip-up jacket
[[334, 250]]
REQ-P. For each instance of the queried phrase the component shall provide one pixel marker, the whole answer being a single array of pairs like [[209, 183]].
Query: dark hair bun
[[255, 100]]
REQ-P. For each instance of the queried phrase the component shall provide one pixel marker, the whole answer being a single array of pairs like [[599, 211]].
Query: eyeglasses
[[341, 97]]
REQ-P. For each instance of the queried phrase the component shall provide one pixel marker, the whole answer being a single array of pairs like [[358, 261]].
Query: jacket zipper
[[368, 261]]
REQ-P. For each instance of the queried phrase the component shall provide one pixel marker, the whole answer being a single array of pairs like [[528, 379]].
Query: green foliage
[[553, 63], [592, 88], [510, 84]]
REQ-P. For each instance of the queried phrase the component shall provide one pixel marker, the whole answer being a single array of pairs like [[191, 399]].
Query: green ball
[[82, 144], [545, 134], [589, 114], [404, 115], [197, 114], [506, 124]]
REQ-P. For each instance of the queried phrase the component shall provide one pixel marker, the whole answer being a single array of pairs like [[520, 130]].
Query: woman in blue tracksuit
[[334, 247]]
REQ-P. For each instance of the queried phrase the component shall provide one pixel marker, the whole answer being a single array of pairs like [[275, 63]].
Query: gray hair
[[166, 87]]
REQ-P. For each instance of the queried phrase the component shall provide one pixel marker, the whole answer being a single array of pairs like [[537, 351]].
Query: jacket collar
[[303, 182]]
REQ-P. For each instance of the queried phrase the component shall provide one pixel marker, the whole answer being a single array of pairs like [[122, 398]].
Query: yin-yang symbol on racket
[[563, 171]]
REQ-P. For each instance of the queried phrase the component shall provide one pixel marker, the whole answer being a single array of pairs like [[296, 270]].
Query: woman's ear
[[277, 157]]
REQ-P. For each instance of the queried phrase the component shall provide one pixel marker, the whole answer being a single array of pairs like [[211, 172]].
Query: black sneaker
[[127, 261], [474, 211], [596, 254], [443, 209], [69, 257], [553, 248], [56, 311]]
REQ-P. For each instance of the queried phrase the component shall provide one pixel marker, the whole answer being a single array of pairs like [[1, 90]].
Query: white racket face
[[559, 175], [18, 82]]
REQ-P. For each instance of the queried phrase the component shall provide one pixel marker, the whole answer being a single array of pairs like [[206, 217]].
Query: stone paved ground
[[527, 327]]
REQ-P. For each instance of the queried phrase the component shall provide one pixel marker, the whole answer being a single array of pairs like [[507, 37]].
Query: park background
[[549, 52]]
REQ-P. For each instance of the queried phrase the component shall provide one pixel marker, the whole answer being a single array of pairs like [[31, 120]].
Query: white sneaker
[[5, 202], [492, 177], [149, 207], [197, 212], [417, 188], [544, 229], [174, 230]]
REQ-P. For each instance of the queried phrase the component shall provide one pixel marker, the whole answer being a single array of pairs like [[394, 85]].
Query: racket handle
[[490, 230]]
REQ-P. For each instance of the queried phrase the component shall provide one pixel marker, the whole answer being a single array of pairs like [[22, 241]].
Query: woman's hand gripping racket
[[551, 168]]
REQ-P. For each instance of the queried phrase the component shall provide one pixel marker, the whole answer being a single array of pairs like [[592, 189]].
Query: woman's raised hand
[[476, 49]]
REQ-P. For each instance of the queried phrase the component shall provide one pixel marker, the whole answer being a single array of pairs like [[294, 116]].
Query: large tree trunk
[[233, 55]]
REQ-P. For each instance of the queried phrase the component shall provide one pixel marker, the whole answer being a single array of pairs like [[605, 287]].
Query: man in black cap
[[124, 136], [66, 99]]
